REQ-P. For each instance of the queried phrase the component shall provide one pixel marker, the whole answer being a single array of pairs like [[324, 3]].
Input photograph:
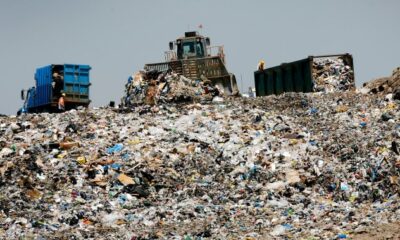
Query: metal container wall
[[290, 77], [76, 85], [43, 92]]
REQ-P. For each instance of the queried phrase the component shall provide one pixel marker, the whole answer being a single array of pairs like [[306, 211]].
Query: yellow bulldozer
[[193, 57]]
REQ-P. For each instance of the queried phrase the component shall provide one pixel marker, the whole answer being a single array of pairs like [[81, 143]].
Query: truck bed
[[306, 75]]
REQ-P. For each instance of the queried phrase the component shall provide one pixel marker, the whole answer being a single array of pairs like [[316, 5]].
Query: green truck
[[328, 73]]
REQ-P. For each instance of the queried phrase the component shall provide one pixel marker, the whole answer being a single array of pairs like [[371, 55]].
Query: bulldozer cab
[[193, 57], [191, 46]]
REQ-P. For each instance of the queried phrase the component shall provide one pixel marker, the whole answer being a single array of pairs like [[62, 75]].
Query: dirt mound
[[385, 85]]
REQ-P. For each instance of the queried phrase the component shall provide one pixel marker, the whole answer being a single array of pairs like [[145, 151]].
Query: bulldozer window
[[199, 49], [188, 48]]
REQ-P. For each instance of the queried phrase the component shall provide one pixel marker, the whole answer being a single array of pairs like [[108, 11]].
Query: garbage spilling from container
[[298, 166], [331, 74]]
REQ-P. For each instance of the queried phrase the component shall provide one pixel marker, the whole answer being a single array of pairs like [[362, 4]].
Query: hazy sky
[[118, 37]]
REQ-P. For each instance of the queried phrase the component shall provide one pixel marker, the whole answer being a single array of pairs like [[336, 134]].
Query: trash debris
[[153, 87], [125, 179], [332, 75], [117, 148], [294, 166]]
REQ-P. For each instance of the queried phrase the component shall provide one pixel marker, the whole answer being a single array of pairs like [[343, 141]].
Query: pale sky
[[116, 38]]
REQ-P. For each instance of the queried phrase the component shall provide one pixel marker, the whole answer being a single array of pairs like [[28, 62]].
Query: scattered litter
[[294, 166]]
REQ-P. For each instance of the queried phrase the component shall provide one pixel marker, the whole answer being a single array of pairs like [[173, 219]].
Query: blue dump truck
[[51, 82]]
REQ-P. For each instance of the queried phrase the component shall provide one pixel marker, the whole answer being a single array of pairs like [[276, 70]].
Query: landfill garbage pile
[[332, 75], [385, 85], [153, 88], [299, 166]]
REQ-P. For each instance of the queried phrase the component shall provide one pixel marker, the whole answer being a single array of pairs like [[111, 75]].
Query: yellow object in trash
[[81, 160], [391, 106], [61, 155], [126, 180], [134, 141], [342, 108]]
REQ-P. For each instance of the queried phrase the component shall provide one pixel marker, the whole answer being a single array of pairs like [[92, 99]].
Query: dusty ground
[[380, 232]]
